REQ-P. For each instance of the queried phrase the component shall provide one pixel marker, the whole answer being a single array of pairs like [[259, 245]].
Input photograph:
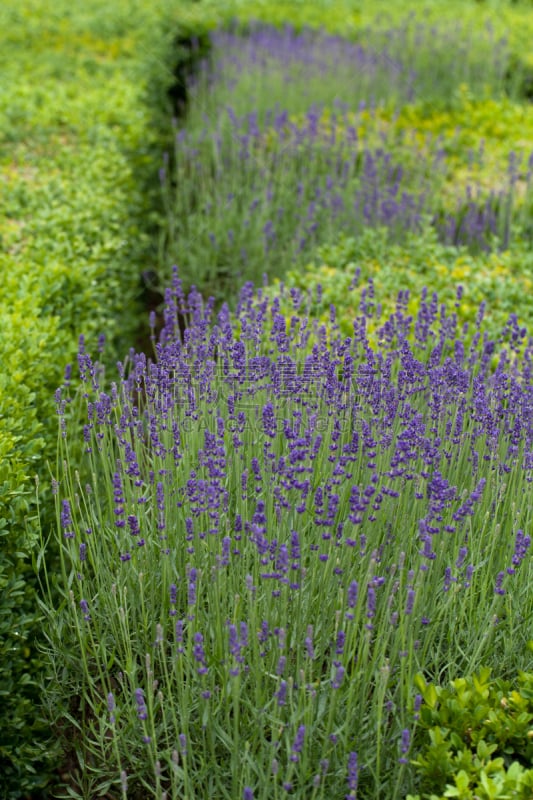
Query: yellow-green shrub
[[82, 128]]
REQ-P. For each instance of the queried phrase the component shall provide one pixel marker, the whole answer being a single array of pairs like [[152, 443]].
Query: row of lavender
[[271, 530], [274, 157]]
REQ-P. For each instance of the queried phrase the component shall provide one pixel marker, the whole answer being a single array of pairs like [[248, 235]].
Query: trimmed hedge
[[84, 119]]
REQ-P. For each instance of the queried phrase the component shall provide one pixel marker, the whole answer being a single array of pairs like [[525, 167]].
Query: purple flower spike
[[173, 593], [298, 744], [339, 677], [498, 589], [66, 520], [142, 711], [410, 601], [191, 597], [404, 746], [111, 707], [309, 642], [522, 544], [199, 653], [85, 610], [353, 591], [353, 775]]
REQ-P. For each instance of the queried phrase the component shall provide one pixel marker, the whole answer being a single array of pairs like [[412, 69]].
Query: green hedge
[[475, 740], [83, 123]]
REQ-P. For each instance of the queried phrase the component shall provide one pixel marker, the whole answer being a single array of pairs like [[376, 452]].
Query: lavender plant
[[244, 206], [272, 529], [276, 157], [255, 66]]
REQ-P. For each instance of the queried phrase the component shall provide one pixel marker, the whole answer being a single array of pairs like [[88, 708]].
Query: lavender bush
[[277, 153], [243, 206], [272, 530], [257, 65]]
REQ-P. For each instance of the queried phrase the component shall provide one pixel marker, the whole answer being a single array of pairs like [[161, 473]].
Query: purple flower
[[142, 711], [309, 642], [522, 544], [410, 601], [247, 794], [353, 774], [269, 420], [463, 552], [238, 640], [160, 500], [498, 589], [339, 677], [191, 596], [66, 520], [111, 707], [353, 591], [404, 746], [225, 557], [371, 603], [173, 593], [85, 610], [178, 633], [298, 743], [199, 653]]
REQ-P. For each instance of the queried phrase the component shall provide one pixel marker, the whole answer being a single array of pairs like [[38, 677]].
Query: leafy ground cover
[[77, 160]]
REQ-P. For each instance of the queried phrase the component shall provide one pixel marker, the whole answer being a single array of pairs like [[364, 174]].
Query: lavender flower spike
[[142, 711], [298, 743], [353, 775]]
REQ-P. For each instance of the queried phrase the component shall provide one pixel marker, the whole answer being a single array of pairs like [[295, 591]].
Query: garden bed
[[87, 106]]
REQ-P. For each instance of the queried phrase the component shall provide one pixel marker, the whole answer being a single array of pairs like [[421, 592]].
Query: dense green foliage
[[83, 121], [480, 735]]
